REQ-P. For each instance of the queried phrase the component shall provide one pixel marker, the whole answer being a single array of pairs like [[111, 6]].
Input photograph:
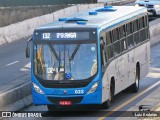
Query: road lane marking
[[129, 101], [12, 63], [26, 67]]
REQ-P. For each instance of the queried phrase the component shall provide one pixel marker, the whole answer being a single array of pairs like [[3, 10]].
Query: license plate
[[65, 103]]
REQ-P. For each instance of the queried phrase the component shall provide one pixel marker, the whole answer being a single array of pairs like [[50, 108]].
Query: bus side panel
[[123, 69], [114, 70], [129, 66], [145, 59], [141, 55]]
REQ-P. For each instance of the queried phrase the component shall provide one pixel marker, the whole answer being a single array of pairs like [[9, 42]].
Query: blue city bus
[[88, 58]]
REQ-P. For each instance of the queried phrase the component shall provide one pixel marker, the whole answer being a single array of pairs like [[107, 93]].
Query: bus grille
[[56, 100], [72, 84]]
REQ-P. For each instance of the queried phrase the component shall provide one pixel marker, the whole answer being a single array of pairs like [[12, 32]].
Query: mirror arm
[[29, 40]]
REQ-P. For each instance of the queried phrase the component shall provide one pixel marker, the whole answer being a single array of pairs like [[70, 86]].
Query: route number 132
[[46, 35]]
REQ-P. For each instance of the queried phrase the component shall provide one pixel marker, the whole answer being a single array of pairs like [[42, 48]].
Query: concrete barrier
[[16, 98], [9, 15], [119, 2]]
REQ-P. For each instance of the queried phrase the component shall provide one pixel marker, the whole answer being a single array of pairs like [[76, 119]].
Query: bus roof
[[109, 18]]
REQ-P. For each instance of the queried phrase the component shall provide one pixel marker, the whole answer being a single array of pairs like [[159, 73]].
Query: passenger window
[[135, 25], [136, 38], [117, 48], [123, 45], [146, 21], [108, 37], [122, 31], [115, 34], [143, 35], [129, 28], [103, 55], [130, 41], [109, 51], [142, 22]]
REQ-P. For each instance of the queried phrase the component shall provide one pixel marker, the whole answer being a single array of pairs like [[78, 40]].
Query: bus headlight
[[93, 88], [156, 6], [37, 89], [137, 5]]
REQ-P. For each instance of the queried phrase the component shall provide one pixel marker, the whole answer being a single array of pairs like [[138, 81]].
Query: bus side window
[[146, 20], [136, 32], [115, 34], [123, 38], [116, 43], [130, 35], [142, 29], [103, 54], [117, 47], [129, 28], [122, 31], [142, 22], [135, 25], [109, 52], [108, 37], [108, 47], [123, 45]]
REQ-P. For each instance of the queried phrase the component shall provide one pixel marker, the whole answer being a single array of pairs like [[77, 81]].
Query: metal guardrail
[[8, 3]]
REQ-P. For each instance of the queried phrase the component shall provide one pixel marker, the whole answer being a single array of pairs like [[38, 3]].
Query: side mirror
[[28, 49], [27, 52]]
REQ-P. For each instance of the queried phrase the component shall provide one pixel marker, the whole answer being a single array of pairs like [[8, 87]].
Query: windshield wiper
[[74, 52], [54, 52]]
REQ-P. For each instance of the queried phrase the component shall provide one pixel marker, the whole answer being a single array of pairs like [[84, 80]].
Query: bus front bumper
[[43, 99]]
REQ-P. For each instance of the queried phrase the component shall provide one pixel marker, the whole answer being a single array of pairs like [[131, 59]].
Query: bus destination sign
[[65, 36]]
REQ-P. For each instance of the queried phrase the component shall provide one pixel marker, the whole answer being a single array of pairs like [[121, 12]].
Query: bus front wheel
[[107, 104]]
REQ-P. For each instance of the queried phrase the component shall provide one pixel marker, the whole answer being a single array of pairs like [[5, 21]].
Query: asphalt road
[[123, 101], [13, 63]]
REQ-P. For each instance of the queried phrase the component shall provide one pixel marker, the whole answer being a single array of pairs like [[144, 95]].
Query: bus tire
[[51, 108], [135, 86], [107, 104]]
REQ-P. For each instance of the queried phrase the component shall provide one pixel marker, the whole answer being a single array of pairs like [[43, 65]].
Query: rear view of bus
[[67, 66]]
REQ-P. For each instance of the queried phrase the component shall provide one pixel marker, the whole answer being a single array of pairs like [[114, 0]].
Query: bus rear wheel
[[135, 86]]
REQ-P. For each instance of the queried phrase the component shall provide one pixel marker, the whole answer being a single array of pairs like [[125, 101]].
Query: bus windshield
[[65, 61]]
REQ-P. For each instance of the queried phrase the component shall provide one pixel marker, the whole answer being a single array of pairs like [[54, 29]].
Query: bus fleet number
[[79, 91]]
